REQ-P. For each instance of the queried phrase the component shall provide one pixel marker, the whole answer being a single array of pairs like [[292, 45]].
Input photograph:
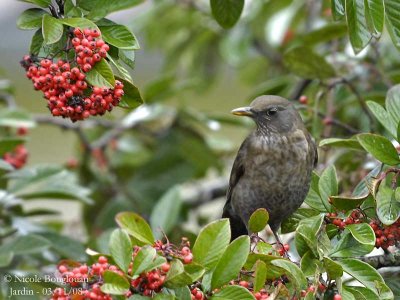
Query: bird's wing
[[237, 171]]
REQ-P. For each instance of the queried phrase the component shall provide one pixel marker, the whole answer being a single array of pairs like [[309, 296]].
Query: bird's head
[[271, 114]]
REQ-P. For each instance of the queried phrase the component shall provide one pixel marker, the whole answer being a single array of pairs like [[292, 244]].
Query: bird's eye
[[272, 111]]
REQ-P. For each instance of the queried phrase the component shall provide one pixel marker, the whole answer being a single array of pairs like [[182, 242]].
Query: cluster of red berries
[[64, 85], [386, 236], [283, 249], [197, 294], [355, 217], [85, 280], [89, 48], [170, 251], [18, 157], [150, 283], [260, 295]]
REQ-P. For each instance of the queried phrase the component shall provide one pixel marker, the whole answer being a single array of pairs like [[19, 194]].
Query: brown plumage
[[273, 167]]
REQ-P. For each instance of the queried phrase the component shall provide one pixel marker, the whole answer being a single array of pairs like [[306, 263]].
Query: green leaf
[[305, 63], [26, 244], [52, 29], [128, 57], [306, 237], [387, 206], [333, 269], [114, 283], [337, 7], [101, 75], [36, 42], [132, 97], [392, 17], [361, 293], [136, 226], [16, 119], [380, 147], [392, 104], [260, 275], [383, 117], [375, 15], [165, 214], [120, 246], [357, 24], [347, 203], [231, 262], [41, 3], [176, 276], [146, 259], [183, 293], [119, 36], [345, 143], [293, 272], [124, 73], [47, 182], [227, 12], [328, 185], [367, 275], [100, 8], [348, 246], [215, 236], [362, 233], [233, 292], [309, 264], [79, 22], [31, 19], [326, 33], [258, 220], [290, 224]]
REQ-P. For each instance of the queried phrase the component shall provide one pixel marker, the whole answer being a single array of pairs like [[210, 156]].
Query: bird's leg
[[279, 242]]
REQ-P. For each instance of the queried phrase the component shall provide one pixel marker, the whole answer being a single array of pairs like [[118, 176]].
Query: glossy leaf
[[375, 16], [304, 62], [26, 244], [231, 262], [290, 224], [383, 117], [36, 42], [333, 269], [79, 22], [131, 97], [345, 143], [260, 275], [387, 206], [114, 283], [347, 203], [348, 246], [121, 249], [362, 233], [357, 24], [16, 119], [392, 20], [233, 292], [177, 277], [361, 293], [215, 236], [392, 104], [128, 57], [366, 275], [338, 11], [328, 185], [227, 12], [136, 226], [145, 260], [31, 19], [380, 147], [119, 36], [292, 271], [101, 75], [52, 29], [258, 220], [306, 234]]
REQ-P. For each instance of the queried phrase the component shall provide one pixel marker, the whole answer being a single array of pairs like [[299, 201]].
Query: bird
[[273, 166]]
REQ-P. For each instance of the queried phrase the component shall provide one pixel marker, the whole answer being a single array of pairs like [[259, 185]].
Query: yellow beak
[[242, 111]]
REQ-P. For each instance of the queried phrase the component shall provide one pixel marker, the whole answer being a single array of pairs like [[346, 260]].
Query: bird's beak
[[243, 111]]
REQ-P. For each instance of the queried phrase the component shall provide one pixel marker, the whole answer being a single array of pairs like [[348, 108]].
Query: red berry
[[303, 99], [337, 297]]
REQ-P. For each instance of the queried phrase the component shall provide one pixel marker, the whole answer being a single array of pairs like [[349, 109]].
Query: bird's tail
[[238, 228]]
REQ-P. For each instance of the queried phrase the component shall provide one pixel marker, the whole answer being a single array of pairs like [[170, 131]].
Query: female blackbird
[[273, 167]]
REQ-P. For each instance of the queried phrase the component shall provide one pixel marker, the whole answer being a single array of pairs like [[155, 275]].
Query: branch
[[382, 261], [300, 88]]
